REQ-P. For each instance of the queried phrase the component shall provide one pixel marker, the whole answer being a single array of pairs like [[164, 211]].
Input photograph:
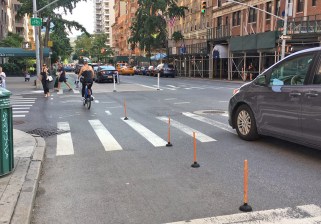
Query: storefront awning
[[20, 52]]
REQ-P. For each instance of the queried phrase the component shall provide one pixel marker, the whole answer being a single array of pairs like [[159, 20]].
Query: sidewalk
[[18, 189]]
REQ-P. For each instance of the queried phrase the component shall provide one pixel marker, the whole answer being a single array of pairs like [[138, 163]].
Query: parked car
[[127, 70], [106, 73], [284, 101], [69, 68], [165, 70]]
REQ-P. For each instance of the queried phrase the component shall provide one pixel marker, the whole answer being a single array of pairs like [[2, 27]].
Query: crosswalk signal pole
[[37, 41]]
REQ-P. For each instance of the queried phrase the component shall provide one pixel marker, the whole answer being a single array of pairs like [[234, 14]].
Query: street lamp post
[[35, 13], [285, 20]]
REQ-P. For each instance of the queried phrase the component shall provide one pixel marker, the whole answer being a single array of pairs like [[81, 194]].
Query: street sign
[[50, 43], [36, 22]]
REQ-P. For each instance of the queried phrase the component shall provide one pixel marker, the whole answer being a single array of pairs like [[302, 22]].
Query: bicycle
[[88, 98]]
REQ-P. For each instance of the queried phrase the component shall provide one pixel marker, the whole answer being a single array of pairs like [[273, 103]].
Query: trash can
[[6, 130]]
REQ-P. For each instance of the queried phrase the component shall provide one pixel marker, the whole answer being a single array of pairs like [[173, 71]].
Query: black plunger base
[[169, 144], [126, 118], [195, 165], [246, 208]]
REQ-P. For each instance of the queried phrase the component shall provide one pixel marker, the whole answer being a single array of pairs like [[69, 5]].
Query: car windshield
[[107, 67]]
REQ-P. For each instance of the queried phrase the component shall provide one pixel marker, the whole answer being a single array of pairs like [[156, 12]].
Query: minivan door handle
[[311, 94], [295, 94]]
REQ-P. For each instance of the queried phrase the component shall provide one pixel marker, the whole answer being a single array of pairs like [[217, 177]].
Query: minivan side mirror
[[261, 80]]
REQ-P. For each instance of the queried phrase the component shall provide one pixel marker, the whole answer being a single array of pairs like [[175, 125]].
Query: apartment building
[[237, 35], [104, 18], [124, 15]]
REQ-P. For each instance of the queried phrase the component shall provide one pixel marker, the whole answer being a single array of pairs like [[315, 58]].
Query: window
[[226, 21], [268, 9], [277, 8], [219, 21], [300, 6], [219, 3], [314, 2], [291, 72], [236, 18], [252, 15]]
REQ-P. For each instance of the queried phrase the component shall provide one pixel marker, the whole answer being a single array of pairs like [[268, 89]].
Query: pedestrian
[[251, 70], [44, 80], [27, 76], [62, 77], [3, 77]]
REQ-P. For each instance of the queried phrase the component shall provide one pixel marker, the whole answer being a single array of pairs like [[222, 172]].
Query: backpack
[[87, 77]]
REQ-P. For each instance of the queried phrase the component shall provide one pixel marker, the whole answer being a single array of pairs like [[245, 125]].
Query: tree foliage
[[177, 36], [12, 40], [149, 27]]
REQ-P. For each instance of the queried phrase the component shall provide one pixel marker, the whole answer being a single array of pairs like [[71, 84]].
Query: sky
[[83, 14]]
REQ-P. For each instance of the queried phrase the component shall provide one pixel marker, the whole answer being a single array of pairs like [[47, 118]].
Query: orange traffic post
[[245, 207], [195, 164], [126, 118], [169, 144]]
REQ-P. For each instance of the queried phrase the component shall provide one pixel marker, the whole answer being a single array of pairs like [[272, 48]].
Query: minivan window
[[317, 77], [292, 71]]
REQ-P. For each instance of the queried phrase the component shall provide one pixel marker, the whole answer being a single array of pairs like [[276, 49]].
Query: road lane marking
[[105, 137], [170, 99], [17, 115], [20, 108], [75, 91], [307, 214], [150, 136], [147, 86], [210, 122], [64, 140], [108, 112], [20, 105], [20, 112], [165, 88], [189, 131], [182, 102]]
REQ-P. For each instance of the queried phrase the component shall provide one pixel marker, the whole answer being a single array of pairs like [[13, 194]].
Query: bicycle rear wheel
[[88, 103]]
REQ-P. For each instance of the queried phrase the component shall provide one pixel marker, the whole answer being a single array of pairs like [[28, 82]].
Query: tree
[[12, 40], [148, 30], [177, 36]]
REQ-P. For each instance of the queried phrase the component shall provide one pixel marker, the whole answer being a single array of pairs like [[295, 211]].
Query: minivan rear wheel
[[245, 123]]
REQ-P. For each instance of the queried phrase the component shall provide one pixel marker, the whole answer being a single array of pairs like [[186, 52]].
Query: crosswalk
[[21, 105], [304, 214], [110, 143]]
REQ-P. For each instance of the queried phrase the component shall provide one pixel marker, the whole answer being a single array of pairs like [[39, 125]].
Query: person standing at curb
[[3, 78], [44, 81], [62, 77]]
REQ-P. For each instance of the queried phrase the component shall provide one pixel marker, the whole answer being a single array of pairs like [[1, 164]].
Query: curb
[[24, 206]]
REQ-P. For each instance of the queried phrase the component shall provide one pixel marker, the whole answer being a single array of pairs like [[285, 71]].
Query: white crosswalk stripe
[[189, 131], [105, 137], [154, 139], [21, 106], [305, 214], [209, 121], [64, 140]]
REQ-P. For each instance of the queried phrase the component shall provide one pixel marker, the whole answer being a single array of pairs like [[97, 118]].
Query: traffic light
[[203, 7]]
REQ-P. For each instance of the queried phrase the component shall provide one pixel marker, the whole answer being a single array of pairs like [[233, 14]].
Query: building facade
[[104, 18], [240, 34]]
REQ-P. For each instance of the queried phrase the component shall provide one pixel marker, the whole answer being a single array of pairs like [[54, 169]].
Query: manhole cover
[[18, 122], [46, 132]]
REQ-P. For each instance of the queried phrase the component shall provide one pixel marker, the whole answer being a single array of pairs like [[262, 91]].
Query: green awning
[[253, 42], [121, 58], [141, 59], [20, 52]]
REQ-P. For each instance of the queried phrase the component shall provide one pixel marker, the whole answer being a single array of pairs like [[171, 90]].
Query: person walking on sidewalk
[[62, 77], [44, 80], [3, 78]]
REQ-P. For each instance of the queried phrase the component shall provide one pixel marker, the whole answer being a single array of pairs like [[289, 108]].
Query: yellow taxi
[[125, 69]]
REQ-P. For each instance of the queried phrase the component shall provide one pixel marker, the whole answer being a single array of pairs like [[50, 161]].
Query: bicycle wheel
[[88, 103]]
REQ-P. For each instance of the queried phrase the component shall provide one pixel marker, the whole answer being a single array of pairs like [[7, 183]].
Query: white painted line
[[224, 115], [181, 102], [107, 140], [25, 101], [20, 112], [187, 130], [172, 86], [114, 107], [210, 122], [75, 91], [154, 139], [64, 140], [20, 108], [273, 216], [312, 210], [166, 88], [147, 86], [108, 112], [60, 91], [96, 101], [18, 105], [170, 99], [17, 115]]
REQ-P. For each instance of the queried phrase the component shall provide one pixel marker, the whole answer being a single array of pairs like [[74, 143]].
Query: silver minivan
[[284, 101]]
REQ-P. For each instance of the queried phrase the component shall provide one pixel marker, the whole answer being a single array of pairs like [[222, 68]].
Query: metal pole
[[36, 39], [285, 26]]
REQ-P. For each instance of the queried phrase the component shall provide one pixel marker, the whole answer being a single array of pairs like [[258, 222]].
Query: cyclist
[[87, 73]]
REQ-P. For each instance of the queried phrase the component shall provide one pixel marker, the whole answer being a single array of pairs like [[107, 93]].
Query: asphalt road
[[100, 168]]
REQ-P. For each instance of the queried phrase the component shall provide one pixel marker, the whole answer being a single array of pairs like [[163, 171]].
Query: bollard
[[169, 144], [158, 81], [245, 207], [195, 164], [126, 118]]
